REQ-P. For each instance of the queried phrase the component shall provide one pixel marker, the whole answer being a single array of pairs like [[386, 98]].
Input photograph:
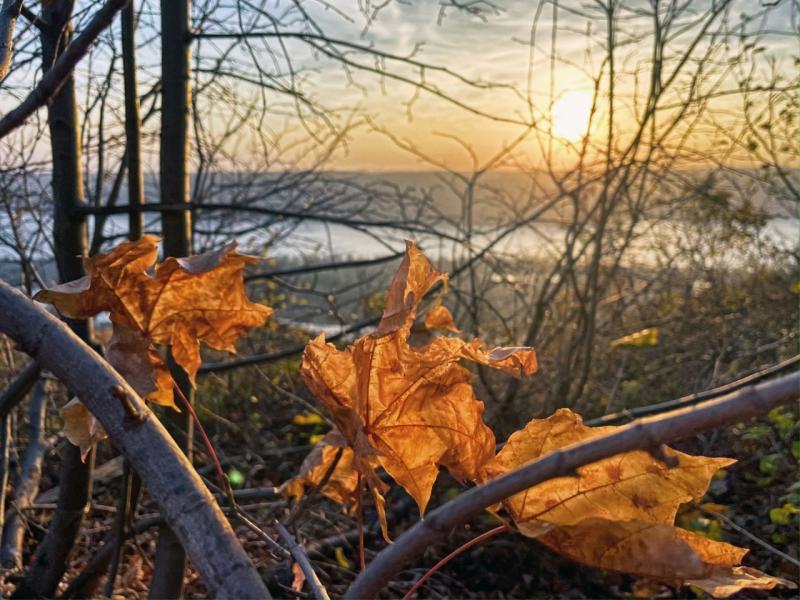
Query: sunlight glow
[[570, 115]]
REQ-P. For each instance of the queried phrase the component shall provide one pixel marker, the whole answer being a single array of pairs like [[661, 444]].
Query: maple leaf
[[618, 513], [411, 409], [659, 551], [185, 301], [140, 364], [188, 300], [630, 486], [439, 317], [343, 480]]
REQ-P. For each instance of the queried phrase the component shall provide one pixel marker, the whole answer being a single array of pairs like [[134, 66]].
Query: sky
[[506, 52], [492, 79]]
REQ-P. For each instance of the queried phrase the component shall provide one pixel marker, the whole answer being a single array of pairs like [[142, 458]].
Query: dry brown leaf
[[188, 300], [140, 364], [618, 513], [185, 301], [298, 577], [343, 481], [659, 551], [439, 317], [411, 407], [722, 582], [81, 428], [627, 487]]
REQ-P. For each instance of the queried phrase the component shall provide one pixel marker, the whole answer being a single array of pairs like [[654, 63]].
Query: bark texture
[[170, 560]]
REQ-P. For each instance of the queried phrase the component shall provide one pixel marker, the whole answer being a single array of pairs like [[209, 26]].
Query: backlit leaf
[[411, 408], [627, 487], [439, 317], [81, 428], [183, 302], [618, 513], [140, 364], [343, 481], [186, 301]]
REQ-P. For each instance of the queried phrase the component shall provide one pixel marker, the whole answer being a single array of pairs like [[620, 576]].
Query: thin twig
[[18, 388], [300, 557], [223, 477], [479, 539], [691, 399], [52, 81], [750, 536], [298, 509]]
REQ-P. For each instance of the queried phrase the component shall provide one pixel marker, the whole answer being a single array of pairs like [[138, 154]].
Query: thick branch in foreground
[[641, 434], [181, 495], [54, 78]]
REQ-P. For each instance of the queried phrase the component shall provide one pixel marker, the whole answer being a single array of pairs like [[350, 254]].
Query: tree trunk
[[70, 243], [170, 561], [133, 136]]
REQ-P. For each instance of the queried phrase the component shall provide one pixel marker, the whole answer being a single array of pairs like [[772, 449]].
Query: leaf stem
[[462, 548], [223, 477]]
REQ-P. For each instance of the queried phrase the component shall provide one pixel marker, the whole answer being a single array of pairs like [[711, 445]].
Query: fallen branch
[[184, 500], [644, 433]]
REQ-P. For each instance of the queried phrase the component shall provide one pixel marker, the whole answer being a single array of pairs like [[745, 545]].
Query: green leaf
[[782, 418], [769, 464], [756, 432], [784, 514], [778, 538], [779, 516]]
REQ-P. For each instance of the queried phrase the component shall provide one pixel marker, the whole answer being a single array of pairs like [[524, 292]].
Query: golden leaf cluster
[[411, 410]]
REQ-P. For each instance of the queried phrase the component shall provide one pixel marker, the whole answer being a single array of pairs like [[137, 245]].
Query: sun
[[570, 115]]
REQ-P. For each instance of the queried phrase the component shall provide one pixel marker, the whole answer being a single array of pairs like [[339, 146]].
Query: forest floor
[[754, 503]]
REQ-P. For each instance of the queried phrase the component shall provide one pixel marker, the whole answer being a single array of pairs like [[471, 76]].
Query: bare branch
[[19, 386], [54, 78]]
